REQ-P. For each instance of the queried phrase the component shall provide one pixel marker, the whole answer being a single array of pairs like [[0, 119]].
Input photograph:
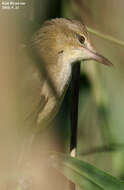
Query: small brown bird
[[53, 50], [59, 43]]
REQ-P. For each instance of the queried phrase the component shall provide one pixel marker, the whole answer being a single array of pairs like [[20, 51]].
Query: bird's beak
[[93, 55]]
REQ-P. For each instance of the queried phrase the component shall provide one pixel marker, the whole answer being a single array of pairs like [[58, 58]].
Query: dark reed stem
[[74, 99]]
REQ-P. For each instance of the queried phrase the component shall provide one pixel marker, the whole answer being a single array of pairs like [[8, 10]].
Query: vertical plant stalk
[[74, 99]]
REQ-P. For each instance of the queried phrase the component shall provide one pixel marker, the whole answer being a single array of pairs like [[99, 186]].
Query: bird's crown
[[65, 37]]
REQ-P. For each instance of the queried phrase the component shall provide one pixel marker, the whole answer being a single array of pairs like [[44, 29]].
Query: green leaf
[[85, 175], [79, 180]]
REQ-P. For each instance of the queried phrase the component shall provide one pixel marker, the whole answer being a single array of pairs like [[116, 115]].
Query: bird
[[46, 70], [57, 45]]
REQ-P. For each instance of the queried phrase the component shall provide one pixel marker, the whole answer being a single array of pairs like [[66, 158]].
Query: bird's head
[[68, 39]]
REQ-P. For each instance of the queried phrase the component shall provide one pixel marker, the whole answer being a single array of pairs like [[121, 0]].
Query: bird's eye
[[81, 39]]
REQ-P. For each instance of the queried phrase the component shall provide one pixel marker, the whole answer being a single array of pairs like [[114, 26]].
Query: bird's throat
[[60, 74]]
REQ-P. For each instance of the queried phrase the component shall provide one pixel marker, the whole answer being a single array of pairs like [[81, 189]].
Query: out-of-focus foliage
[[101, 107], [85, 175]]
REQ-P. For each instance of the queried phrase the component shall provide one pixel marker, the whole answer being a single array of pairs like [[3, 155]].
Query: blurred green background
[[101, 105]]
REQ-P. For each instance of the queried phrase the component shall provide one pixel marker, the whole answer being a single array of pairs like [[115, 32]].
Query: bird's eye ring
[[81, 39]]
